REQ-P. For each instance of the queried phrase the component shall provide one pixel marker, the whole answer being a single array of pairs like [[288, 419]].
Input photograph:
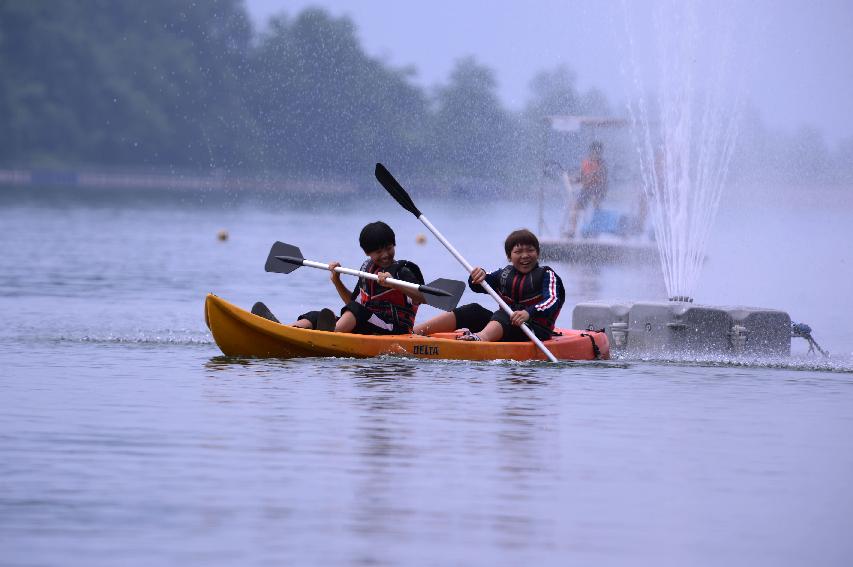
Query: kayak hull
[[240, 333]]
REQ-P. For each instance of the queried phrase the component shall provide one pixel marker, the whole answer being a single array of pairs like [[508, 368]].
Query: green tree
[[324, 106], [553, 92], [472, 133], [843, 161], [128, 83]]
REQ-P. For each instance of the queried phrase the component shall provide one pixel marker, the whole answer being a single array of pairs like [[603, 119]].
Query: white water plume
[[685, 132]]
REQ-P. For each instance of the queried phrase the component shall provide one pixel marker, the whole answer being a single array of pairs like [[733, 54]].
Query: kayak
[[241, 333]]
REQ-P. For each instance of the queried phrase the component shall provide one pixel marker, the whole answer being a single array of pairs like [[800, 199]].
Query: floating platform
[[677, 328], [600, 250]]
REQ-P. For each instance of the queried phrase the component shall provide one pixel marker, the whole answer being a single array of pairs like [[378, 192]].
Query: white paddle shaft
[[360, 274], [527, 330]]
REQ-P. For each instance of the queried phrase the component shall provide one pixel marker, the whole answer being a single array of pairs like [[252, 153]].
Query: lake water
[[127, 439]]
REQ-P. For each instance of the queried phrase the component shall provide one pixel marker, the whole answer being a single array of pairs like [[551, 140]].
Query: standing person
[[372, 308], [535, 294], [593, 179]]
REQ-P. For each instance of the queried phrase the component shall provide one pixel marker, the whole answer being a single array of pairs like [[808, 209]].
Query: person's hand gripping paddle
[[396, 190], [442, 293]]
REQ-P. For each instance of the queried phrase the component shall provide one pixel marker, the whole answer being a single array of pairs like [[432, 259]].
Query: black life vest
[[391, 305], [522, 291]]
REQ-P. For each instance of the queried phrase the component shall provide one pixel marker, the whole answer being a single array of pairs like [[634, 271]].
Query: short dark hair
[[521, 236], [376, 236]]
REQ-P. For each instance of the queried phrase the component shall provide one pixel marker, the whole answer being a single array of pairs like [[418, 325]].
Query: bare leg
[[573, 222], [346, 323], [442, 323], [303, 324], [491, 332]]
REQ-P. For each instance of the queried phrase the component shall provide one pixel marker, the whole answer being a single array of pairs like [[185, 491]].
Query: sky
[[790, 58]]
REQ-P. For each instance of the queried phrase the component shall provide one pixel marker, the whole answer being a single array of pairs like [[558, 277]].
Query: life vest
[[522, 291], [592, 173], [389, 304]]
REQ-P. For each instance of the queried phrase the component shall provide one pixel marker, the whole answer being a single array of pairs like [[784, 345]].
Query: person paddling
[[373, 308], [534, 293]]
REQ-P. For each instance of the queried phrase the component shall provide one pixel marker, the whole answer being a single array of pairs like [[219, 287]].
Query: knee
[[492, 332], [346, 323]]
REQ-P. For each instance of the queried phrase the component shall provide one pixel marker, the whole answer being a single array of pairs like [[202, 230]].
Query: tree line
[[192, 85]]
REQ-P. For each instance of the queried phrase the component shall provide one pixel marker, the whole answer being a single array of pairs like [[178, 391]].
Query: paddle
[[396, 190], [442, 293]]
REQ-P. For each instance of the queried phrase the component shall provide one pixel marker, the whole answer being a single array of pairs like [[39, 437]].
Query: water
[[685, 131], [127, 439]]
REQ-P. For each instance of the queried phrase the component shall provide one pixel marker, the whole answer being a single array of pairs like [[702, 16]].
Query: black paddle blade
[[452, 288], [282, 266], [395, 189]]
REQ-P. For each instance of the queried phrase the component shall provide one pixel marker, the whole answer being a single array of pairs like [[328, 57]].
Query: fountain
[[685, 141]]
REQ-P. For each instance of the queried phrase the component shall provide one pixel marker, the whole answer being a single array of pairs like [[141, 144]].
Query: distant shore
[[115, 179], [118, 179]]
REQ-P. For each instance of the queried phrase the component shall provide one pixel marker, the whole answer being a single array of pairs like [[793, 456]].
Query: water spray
[[685, 146]]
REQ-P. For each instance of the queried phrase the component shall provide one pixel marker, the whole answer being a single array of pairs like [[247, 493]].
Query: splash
[[797, 362], [685, 133], [160, 337]]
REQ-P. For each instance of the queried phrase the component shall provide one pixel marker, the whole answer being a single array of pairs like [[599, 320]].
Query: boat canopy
[[565, 123]]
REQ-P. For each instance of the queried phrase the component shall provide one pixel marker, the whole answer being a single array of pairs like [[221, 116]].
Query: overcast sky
[[795, 55]]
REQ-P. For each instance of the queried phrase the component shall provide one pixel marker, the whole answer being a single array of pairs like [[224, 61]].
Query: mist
[[233, 88]]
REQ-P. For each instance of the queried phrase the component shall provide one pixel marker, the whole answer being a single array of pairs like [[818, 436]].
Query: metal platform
[[676, 328], [598, 251]]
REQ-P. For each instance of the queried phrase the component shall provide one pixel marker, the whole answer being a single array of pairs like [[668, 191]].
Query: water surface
[[126, 438]]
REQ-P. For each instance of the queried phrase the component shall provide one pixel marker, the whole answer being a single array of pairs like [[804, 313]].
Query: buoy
[[222, 235], [420, 239]]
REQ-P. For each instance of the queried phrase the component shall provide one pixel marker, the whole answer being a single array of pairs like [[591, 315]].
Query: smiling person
[[535, 294], [373, 308]]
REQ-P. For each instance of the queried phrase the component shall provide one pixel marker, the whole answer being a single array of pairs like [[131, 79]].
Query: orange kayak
[[240, 333]]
